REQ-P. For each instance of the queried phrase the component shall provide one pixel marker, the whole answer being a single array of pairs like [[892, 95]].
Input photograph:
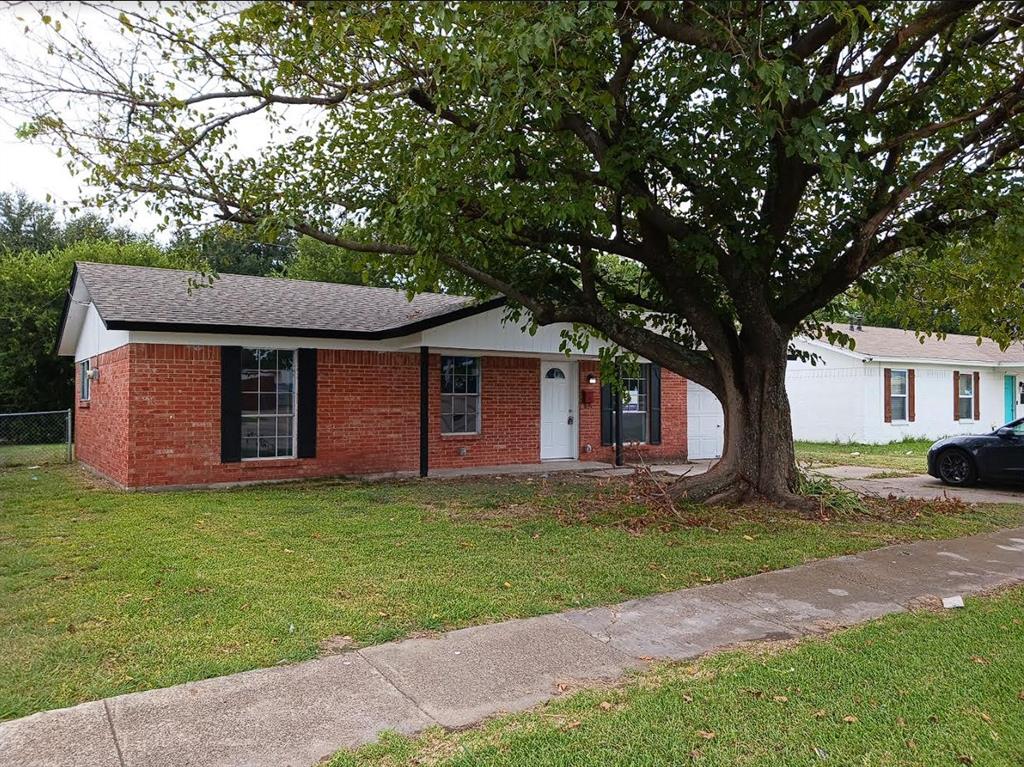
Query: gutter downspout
[[424, 411], [618, 428]]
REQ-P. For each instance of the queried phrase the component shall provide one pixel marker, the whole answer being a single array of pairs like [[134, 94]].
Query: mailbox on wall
[[587, 396]]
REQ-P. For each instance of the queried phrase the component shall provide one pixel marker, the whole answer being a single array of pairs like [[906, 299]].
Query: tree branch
[[680, 32]]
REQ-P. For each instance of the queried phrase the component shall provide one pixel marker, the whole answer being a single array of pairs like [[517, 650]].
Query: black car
[[962, 461]]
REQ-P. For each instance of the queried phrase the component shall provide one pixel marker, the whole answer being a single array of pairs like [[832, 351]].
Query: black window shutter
[[607, 415], [230, 404], [654, 384], [307, 403]]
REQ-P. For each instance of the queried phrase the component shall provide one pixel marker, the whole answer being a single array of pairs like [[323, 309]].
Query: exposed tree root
[[727, 486], [719, 485]]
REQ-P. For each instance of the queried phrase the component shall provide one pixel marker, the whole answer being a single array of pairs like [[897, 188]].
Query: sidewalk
[[299, 714]]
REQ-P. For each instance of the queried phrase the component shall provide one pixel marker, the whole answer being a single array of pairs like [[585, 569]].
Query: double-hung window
[[635, 405], [965, 397], [86, 387], [268, 403], [898, 395], [460, 395]]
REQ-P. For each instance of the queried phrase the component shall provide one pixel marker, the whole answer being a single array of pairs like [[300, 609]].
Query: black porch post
[[618, 428], [424, 410]]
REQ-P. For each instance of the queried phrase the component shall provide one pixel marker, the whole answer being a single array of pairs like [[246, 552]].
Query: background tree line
[[38, 251]]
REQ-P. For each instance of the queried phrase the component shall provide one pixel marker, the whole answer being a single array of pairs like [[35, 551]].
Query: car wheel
[[956, 468]]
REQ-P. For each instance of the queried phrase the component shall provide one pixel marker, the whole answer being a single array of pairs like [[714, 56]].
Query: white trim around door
[[559, 406]]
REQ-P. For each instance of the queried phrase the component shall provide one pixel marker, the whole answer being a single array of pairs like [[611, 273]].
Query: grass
[[912, 689], [32, 455], [105, 592], [906, 456]]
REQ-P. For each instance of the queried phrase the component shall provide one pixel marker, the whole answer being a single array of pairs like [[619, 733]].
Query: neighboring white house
[[891, 385]]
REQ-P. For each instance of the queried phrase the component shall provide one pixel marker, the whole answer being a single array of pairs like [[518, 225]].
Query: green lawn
[[32, 455], [913, 689], [906, 456], [105, 592]]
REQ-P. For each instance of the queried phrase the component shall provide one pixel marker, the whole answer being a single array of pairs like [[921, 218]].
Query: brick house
[[258, 379]]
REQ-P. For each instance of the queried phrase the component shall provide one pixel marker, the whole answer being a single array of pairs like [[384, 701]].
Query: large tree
[[693, 180]]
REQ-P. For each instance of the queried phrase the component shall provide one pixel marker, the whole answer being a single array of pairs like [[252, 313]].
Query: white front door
[[556, 411], [705, 423]]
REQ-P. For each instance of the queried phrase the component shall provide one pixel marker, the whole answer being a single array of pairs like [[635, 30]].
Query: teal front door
[[1010, 397]]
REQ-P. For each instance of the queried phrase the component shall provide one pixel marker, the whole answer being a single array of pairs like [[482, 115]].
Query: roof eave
[[263, 330], [72, 318], [941, 361]]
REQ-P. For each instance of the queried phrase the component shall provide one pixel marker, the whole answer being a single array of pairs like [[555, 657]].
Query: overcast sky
[[35, 168]]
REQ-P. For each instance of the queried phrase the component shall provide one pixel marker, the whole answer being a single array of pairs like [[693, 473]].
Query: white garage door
[[705, 423]]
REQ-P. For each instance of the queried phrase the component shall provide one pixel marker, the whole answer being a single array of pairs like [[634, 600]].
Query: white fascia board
[[79, 304], [405, 343], [938, 363]]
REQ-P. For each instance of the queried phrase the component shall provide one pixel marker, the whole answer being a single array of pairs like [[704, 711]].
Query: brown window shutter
[[911, 396], [888, 394], [977, 396], [956, 395]]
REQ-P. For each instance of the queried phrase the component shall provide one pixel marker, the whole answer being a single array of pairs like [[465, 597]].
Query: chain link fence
[[35, 439]]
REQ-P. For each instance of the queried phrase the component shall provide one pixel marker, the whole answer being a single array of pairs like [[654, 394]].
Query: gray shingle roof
[[143, 297], [904, 344]]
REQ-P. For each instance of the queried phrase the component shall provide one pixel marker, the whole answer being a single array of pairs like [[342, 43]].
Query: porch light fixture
[[591, 379]]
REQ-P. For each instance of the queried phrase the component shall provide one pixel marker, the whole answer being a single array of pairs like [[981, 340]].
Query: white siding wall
[[842, 399], [95, 338], [487, 331], [828, 399], [934, 395]]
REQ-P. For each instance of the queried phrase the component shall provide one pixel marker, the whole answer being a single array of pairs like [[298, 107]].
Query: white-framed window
[[460, 395], [965, 397], [898, 395], [635, 406], [268, 403], [86, 386]]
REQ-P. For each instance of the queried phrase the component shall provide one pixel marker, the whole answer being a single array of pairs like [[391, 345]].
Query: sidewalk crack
[[801, 631], [113, 734], [394, 683]]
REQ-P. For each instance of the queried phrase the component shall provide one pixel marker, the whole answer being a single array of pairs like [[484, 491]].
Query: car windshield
[[1016, 426]]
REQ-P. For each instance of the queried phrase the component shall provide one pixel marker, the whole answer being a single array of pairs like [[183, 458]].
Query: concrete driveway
[[858, 478]]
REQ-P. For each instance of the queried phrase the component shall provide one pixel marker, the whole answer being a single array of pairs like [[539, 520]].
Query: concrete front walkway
[[299, 714]]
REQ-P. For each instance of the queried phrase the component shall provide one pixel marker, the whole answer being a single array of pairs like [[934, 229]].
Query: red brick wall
[[509, 416], [673, 421], [102, 423], [368, 411], [168, 399], [367, 417]]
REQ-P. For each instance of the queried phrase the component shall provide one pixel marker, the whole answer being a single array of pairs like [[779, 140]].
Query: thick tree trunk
[[758, 460]]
